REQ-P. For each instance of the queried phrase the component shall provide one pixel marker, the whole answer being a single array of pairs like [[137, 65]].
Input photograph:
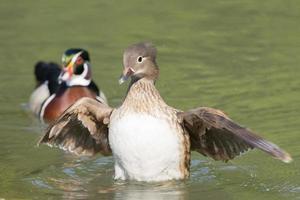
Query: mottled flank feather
[[81, 129], [213, 134]]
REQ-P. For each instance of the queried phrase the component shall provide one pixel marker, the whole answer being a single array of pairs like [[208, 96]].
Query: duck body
[[53, 105], [147, 142], [66, 96], [37, 97]]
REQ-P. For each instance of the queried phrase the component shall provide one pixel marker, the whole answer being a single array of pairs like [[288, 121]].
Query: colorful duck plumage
[[149, 140]]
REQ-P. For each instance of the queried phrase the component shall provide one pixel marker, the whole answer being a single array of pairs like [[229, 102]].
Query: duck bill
[[127, 73], [67, 72]]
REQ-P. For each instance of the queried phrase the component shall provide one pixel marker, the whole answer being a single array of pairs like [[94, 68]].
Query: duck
[[149, 140], [59, 87]]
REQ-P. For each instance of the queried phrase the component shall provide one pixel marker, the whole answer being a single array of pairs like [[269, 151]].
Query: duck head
[[76, 67], [139, 61]]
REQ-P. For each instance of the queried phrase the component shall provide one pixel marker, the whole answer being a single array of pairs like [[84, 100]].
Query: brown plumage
[[82, 129], [205, 130], [65, 99], [215, 135], [64, 87]]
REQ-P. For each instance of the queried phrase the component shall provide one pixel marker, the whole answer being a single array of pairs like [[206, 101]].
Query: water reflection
[[86, 178], [168, 190], [91, 178]]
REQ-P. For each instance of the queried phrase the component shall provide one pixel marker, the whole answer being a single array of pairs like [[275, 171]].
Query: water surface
[[238, 56]]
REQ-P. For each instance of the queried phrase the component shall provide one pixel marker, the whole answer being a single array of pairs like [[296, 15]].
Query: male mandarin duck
[[149, 140], [57, 89]]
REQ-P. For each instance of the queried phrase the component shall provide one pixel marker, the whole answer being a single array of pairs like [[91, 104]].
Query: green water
[[238, 56]]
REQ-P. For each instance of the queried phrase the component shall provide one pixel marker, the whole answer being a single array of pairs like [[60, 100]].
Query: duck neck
[[83, 79], [149, 76], [78, 80], [142, 93]]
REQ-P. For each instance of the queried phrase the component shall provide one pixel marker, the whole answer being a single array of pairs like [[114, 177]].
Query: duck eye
[[140, 59], [79, 61]]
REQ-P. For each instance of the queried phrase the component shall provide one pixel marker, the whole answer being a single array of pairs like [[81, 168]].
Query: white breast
[[145, 148]]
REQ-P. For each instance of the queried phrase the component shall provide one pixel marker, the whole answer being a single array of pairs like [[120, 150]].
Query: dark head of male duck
[[76, 68], [73, 82]]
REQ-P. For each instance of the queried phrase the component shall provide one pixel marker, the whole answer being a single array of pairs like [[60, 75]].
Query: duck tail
[[44, 71]]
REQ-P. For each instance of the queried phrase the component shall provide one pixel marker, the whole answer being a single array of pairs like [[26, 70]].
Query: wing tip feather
[[287, 158]]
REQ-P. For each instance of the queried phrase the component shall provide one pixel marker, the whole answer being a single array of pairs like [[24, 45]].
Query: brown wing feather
[[81, 129], [213, 134]]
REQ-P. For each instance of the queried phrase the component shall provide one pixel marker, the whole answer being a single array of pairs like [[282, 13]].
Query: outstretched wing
[[214, 134], [82, 129]]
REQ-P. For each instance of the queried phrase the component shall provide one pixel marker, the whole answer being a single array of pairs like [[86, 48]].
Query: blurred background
[[238, 56]]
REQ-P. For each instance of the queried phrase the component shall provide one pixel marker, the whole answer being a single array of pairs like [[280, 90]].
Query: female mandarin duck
[[58, 89], [149, 140]]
